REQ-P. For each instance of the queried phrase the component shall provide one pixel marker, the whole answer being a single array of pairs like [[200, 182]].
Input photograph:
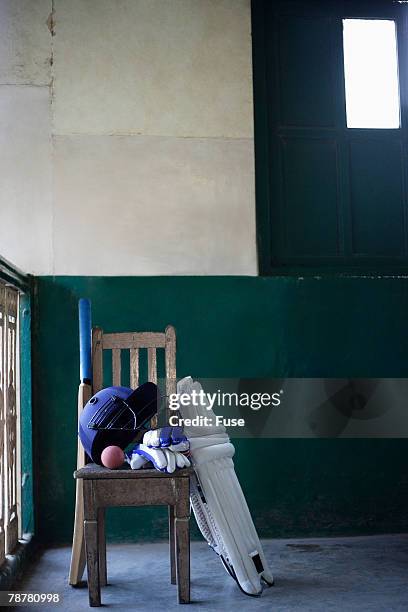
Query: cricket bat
[[84, 394]]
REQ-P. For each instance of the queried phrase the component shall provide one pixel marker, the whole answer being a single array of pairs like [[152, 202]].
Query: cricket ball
[[112, 457]]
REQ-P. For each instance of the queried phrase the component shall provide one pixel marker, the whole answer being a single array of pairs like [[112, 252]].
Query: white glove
[[167, 437], [163, 460]]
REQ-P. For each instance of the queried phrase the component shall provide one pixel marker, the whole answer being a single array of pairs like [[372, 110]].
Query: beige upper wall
[[25, 178], [159, 67], [127, 137], [25, 135], [24, 42], [168, 206]]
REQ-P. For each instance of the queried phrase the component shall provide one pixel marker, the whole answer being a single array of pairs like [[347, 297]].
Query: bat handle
[[85, 339]]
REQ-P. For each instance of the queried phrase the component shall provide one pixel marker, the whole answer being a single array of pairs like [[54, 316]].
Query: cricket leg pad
[[220, 507]]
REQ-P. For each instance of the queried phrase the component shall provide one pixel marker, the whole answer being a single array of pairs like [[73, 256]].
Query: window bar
[[2, 426], [10, 454]]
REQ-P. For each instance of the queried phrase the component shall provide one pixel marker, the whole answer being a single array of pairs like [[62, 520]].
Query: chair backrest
[[134, 342]]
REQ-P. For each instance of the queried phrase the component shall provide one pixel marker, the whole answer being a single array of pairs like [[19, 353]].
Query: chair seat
[[92, 471]]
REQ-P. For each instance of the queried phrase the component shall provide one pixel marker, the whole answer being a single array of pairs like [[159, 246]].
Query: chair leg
[[182, 529], [172, 546], [92, 560], [103, 574], [77, 567]]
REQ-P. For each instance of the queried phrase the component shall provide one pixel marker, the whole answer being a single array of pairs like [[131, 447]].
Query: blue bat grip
[[85, 335]]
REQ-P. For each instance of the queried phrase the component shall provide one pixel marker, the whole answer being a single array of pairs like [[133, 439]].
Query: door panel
[[310, 188], [376, 198], [306, 72]]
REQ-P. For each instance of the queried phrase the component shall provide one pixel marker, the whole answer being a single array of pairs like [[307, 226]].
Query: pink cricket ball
[[112, 457]]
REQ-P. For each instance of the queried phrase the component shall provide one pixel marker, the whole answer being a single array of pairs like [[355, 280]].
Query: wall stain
[[51, 22]]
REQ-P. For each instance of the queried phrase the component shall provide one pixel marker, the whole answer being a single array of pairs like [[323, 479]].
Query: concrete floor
[[346, 574]]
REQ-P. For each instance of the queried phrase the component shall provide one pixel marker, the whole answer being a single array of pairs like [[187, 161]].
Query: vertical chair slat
[[152, 365], [97, 365], [152, 376], [170, 356], [134, 368], [116, 367]]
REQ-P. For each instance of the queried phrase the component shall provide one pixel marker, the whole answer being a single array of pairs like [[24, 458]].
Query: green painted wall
[[232, 327]]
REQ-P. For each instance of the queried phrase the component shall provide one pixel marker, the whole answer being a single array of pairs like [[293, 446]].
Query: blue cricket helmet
[[114, 415]]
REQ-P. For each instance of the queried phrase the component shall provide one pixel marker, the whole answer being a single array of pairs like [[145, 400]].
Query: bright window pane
[[371, 73]]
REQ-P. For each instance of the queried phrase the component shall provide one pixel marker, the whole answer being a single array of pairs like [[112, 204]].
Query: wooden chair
[[98, 487]]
